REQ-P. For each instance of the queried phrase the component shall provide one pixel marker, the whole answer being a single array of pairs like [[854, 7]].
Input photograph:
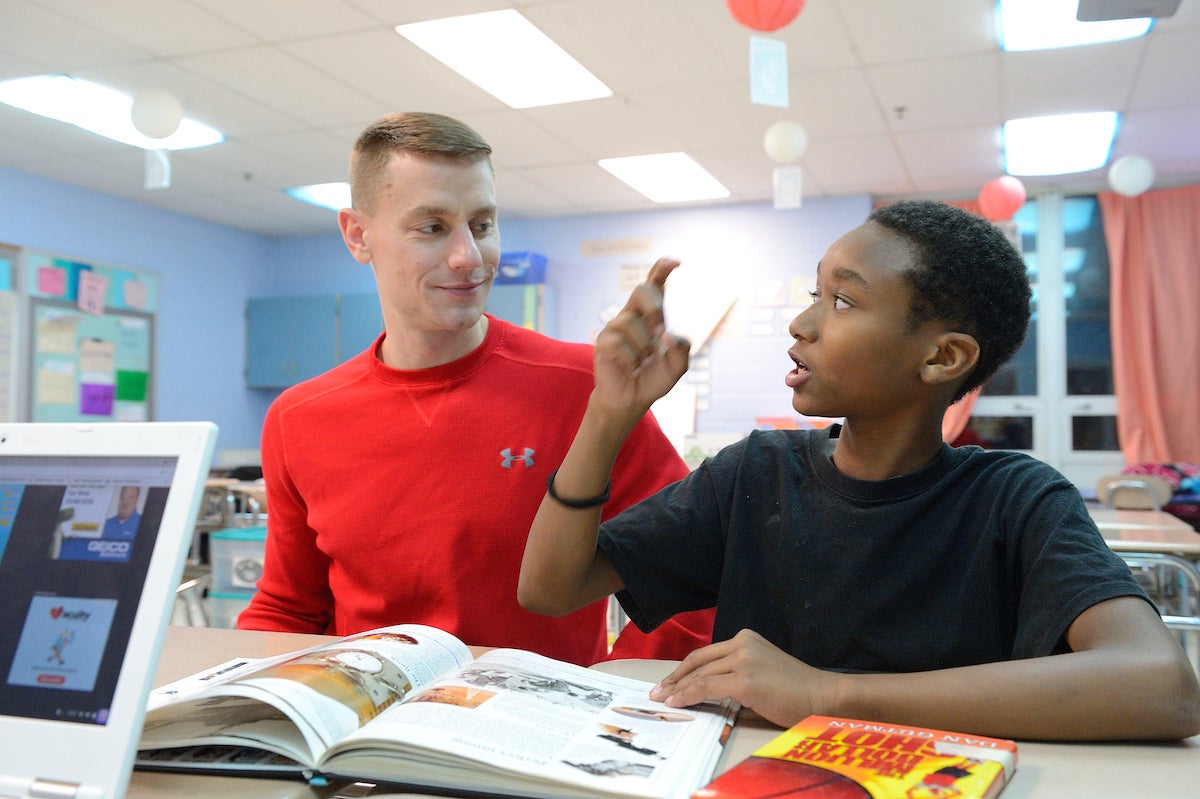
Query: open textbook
[[408, 705]]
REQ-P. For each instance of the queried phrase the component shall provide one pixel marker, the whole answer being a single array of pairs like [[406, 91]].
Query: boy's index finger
[[658, 273]]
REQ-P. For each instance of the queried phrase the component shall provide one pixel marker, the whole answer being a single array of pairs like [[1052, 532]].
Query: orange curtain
[[1154, 259]]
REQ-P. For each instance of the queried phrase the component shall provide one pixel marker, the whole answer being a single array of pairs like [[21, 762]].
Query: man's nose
[[464, 250]]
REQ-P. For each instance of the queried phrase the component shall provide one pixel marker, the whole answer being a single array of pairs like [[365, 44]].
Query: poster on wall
[[91, 341]]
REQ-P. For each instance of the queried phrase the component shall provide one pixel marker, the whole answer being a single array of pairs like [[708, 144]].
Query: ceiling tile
[[161, 28]]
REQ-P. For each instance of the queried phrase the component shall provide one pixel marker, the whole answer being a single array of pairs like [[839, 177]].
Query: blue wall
[[207, 271]]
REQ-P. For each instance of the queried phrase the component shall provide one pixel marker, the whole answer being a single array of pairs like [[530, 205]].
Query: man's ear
[[354, 234], [953, 358]]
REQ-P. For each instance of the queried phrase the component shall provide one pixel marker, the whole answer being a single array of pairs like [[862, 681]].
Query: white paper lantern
[[785, 141], [156, 113], [1131, 175]]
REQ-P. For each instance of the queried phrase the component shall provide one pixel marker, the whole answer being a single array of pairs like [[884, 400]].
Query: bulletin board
[[91, 336]]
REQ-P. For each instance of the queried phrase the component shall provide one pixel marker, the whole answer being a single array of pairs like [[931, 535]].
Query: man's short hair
[[434, 135], [967, 273]]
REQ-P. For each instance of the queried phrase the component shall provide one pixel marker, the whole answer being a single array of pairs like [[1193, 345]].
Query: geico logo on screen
[[108, 549]]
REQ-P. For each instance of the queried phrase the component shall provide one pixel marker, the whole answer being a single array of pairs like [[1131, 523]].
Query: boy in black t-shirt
[[981, 595]]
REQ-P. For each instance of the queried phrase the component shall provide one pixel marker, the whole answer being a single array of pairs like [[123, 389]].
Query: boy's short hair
[[425, 133], [967, 273]]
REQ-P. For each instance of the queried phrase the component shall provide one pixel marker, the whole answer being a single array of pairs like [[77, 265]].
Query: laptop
[[95, 523]]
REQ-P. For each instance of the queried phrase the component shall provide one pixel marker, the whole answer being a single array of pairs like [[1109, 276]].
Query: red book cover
[[824, 757]]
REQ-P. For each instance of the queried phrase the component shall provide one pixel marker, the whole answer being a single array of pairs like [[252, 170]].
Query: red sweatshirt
[[406, 496]]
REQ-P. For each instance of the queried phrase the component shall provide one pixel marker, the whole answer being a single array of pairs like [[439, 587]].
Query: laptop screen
[[76, 538]]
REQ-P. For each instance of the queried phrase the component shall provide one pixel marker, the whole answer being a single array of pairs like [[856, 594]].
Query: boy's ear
[[954, 357]]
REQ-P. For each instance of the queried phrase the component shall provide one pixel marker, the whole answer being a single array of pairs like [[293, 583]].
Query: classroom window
[[1055, 399], [1086, 298]]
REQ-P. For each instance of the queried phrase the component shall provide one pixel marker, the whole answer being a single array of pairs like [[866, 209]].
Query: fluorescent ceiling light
[[1058, 145], [97, 109], [1046, 24], [334, 196], [667, 177], [505, 55]]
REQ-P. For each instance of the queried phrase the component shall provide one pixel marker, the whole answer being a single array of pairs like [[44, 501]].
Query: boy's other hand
[[752, 671]]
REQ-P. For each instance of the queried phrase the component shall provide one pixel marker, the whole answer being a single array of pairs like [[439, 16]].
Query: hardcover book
[[824, 757]]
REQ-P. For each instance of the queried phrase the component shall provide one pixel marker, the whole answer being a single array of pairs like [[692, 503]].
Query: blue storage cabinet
[[289, 339], [360, 321]]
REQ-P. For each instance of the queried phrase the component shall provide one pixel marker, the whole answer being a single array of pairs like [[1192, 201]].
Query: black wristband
[[578, 504]]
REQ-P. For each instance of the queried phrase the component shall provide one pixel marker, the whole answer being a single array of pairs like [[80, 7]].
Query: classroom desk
[[1146, 531], [1044, 771], [1131, 519]]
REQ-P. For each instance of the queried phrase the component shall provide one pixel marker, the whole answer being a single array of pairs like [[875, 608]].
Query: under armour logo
[[509, 457]]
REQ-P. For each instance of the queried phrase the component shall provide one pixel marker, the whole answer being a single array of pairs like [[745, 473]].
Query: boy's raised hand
[[637, 360]]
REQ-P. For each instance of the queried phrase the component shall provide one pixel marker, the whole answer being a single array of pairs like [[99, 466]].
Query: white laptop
[[95, 523]]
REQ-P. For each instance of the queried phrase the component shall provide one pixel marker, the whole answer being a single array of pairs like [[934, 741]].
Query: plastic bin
[[521, 267], [236, 555], [224, 608]]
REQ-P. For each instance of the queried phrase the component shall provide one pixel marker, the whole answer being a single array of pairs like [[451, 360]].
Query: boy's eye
[[840, 303]]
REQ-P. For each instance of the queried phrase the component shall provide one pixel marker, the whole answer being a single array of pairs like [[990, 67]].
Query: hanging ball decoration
[[1131, 175], [765, 15], [156, 113], [1001, 197], [785, 141]]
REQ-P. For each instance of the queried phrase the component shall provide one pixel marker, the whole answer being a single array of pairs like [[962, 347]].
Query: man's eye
[[484, 228]]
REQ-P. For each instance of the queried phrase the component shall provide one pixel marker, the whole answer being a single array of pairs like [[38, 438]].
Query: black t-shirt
[[981, 556]]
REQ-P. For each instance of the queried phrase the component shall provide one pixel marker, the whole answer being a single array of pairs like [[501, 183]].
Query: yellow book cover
[[824, 757]]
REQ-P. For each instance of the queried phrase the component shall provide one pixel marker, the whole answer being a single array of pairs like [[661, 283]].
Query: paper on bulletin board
[[96, 399], [56, 334], [133, 336], [130, 411], [131, 385], [56, 383], [93, 287], [96, 356], [134, 292], [51, 280]]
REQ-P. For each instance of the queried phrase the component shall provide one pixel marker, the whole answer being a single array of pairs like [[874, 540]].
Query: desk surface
[[1060, 771], [1145, 531]]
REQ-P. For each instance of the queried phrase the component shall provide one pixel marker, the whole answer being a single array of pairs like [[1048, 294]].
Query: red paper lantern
[[1001, 197], [765, 15]]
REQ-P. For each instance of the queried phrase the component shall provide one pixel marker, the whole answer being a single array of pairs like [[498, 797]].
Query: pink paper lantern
[[765, 15], [1001, 197]]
